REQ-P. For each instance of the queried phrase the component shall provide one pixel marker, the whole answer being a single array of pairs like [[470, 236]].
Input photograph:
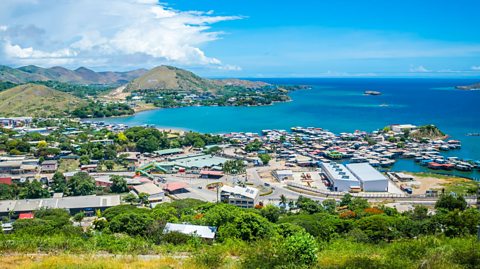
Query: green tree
[[119, 184], [59, 183], [271, 212], [131, 223], [34, 190], [84, 160], [451, 202], [300, 249], [247, 226], [109, 164], [265, 158], [81, 184]]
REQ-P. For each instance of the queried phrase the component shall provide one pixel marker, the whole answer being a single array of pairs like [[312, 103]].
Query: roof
[[72, 202], [50, 162], [174, 186], [247, 192], [365, 172], [168, 151], [6, 180], [28, 215], [338, 172], [11, 164], [207, 232], [148, 188], [211, 173], [284, 172]]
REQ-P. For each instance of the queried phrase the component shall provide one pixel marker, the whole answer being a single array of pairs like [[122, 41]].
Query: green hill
[[36, 100], [82, 75], [171, 78]]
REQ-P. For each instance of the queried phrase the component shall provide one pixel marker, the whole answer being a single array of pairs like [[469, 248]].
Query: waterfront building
[[370, 178], [340, 177]]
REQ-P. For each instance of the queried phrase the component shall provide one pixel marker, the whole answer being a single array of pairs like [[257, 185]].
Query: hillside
[[36, 100], [80, 75], [171, 78], [428, 131]]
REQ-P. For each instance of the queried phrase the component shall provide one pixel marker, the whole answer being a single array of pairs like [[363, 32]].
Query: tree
[[377, 227], [149, 144], [42, 144], [109, 164], [271, 212], [7, 192], [59, 183], [451, 202], [300, 249], [119, 184], [84, 160], [143, 198], [247, 226], [131, 223], [130, 198], [81, 184], [265, 158], [34, 190]]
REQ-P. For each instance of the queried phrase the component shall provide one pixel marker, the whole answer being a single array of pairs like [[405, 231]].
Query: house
[[211, 174], [155, 193], [11, 167], [400, 128], [175, 187], [239, 196], [205, 232], [74, 204], [49, 166], [89, 168], [282, 175]]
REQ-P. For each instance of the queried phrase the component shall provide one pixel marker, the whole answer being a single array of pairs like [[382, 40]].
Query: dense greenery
[[78, 90], [348, 234], [100, 110]]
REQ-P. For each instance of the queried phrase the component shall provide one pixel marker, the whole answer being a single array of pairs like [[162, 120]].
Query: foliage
[[81, 184], [119, 184]]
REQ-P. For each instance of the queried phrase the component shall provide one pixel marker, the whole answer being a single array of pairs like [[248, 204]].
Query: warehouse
[[340, 177], [372, 180]]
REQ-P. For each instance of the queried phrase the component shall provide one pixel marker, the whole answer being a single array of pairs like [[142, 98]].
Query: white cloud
[[476, 68], [106, 32], [419, 69]]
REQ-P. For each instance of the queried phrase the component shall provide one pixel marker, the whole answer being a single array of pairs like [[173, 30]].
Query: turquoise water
[[340, 106]]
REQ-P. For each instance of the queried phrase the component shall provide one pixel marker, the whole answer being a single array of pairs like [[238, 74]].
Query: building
[[89, 168], [11, 167], [168, 152], [281, 175], [175, 187], [400, 128], [49, 166], [372, 180], [6, 180], [74, 204], [239, 196], [155, 193], [205, 232], [211, 174], [340, 177]]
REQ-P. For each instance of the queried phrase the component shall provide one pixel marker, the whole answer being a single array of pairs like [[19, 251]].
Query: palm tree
[[283, 200]]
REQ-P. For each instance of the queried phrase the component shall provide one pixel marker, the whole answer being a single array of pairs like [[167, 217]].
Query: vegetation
[[79, 90], [427, 131], [349, 234], [100, 110]]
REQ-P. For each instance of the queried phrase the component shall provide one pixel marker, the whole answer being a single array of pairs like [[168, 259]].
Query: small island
[[472, 87]]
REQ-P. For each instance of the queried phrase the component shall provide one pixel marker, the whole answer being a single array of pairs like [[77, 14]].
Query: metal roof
[[247, 192], [365, 172], [201, 231]]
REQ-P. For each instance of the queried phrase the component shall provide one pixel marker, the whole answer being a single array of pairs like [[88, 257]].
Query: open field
[[461, 186]]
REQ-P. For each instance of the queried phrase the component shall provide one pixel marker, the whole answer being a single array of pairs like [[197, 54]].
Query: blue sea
[[339, 105]]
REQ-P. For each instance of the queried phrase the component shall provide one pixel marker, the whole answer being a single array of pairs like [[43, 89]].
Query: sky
[[247, 38]]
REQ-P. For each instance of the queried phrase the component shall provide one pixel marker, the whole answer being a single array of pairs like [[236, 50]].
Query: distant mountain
[[36, 100], [173, 78], [80, 75], [469, 87]]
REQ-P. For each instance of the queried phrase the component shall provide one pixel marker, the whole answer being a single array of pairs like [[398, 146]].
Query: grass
[[68, 165], [458, 185]]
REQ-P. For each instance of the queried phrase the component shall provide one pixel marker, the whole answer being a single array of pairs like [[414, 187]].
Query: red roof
[[174, 186], [28, 215], [6, 180], [211, 173]]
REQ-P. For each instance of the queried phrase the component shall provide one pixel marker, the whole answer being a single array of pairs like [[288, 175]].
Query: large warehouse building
[[371, 179], [340, 177]]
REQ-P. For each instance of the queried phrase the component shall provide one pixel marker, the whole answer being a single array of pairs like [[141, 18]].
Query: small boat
[[372, 93]]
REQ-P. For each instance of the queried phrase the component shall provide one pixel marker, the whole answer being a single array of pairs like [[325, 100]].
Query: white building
[[282, 175], [400, 128], [372, 180], [205, 232], [155, 193], [239, 196], [340, 177]]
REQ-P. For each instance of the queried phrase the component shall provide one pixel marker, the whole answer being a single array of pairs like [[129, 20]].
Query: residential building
[[49, 166], [239, 196], [155, 193]]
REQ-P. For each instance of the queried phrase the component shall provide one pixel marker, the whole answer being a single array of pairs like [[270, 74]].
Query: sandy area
[[422, 184]]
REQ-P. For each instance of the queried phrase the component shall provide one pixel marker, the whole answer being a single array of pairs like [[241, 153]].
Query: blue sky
[[248, 38]]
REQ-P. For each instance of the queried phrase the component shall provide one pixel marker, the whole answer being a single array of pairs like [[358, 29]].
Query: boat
[[372, 93]]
